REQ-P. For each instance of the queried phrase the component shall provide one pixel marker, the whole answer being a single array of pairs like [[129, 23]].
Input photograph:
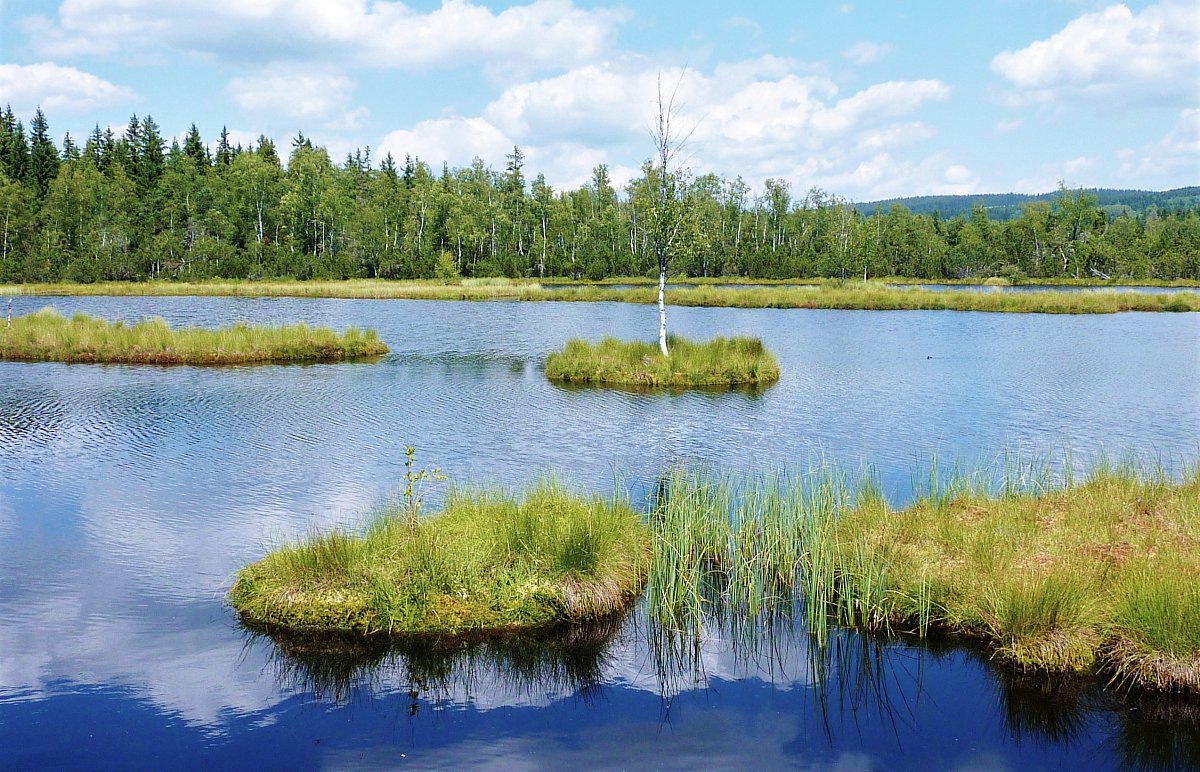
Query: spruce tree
[[43, 155], [194, 149]]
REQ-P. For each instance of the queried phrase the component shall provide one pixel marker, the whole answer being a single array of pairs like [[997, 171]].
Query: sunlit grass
[[48, 336], [1091, 576], [717, 362], [814, 294], [487, 561]]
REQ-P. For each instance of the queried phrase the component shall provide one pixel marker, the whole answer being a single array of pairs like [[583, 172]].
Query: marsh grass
[[814, 294], [1065, 576], [488, 561], [717, 362], [48, 336]]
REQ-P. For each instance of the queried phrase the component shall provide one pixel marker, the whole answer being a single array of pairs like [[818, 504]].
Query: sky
[[864, 100]]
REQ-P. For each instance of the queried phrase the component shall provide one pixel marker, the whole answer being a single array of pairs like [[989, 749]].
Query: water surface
[[130, 495]]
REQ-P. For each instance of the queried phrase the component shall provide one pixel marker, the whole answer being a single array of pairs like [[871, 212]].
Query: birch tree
[[666, 213]]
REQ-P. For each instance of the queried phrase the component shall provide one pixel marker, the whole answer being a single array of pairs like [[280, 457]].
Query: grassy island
[[486, 562], [1098, 576], [717, 362], [48, 336]]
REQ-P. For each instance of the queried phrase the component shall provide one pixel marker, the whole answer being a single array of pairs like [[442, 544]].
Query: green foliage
[[47, 336], [487, 561], [126, 208]]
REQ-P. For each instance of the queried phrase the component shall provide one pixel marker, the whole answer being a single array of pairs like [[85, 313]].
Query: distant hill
[[1007, 206]]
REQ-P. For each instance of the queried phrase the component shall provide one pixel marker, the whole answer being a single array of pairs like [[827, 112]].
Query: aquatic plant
[[1079, 577], [717, 362], [48, 336], [487, 561]]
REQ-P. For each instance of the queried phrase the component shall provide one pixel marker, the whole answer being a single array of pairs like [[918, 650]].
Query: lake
[[130, 495]]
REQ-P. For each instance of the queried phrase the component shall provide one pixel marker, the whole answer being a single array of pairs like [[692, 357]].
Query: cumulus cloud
[[379, 34], [866, 52], [1112, 54], [759, 118], [454, 140], [1049, 175], [57, 89], [1173, 160], [305, 95]]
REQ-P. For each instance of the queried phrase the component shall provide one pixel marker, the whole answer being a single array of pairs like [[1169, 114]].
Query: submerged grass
[[46, 335], [851, 295], [488, 561], [717, 362], [1090, 576]]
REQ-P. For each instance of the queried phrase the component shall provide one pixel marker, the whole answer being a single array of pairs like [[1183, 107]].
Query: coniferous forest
[[132, 206]]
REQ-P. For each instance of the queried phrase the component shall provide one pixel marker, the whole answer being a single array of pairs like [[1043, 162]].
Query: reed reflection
[[568, 660]]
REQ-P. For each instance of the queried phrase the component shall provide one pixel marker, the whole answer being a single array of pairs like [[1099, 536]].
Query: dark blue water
[[130, 495]]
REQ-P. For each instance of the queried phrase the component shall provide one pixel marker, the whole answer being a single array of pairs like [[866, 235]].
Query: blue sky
[[863, 99]]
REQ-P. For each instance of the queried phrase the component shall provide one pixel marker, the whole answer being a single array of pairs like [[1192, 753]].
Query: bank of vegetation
[[46, 335], [717, 362], [129, 205], [852, 295], [488, 561], [1096, 576]]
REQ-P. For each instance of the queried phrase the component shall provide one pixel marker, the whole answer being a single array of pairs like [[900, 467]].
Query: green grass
[[717, 362], [488, 561], [813, 294], [1095, 576], [48, 336]]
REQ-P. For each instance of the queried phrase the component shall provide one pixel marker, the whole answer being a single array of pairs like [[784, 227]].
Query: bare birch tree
[[666, 210]]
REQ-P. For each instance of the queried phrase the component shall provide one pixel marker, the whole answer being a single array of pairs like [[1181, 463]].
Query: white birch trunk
[[662, 312]]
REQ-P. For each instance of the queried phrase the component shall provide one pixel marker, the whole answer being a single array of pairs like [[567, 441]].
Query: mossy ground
[[717, 362], [48, 336], [488, 561]]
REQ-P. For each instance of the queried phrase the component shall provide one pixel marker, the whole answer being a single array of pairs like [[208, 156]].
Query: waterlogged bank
[[1094, 577], [717, 362], [48, 336], [487, 562], [849, 296]]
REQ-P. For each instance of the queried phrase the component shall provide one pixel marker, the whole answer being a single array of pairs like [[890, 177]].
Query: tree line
[[133, 206]]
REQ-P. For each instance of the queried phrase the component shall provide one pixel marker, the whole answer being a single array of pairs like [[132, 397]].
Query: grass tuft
[[487, 561], [1095, 575], [46, 335], [717, 362]]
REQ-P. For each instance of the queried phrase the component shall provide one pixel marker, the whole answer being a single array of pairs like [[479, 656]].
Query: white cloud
[[1006, 127], [454, 140], [549, 33], [1049, 175], [1172, 161], [759, 118], [304, 95], [1113, 55], [883, 176], [57, 89], [866, 52]]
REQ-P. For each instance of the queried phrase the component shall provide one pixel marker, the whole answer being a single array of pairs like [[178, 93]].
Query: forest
[[130, 205]]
